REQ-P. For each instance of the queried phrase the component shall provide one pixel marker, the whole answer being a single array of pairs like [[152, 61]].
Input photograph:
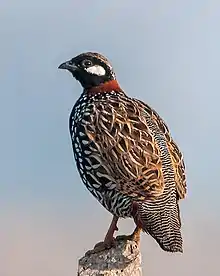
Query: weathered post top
[[124, 259]]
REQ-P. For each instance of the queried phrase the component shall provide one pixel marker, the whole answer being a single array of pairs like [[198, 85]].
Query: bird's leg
[[109, 238], [135, 236], [112, 228]]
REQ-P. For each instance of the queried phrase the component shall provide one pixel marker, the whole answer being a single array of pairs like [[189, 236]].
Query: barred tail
[[164, 226]]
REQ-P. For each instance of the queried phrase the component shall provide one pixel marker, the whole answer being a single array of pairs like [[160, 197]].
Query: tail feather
[[164, 226]]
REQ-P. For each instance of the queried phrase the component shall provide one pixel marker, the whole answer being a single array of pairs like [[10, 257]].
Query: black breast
[[94, 173]]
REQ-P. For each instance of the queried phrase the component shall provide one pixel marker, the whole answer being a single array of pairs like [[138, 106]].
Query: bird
[[125, 155]]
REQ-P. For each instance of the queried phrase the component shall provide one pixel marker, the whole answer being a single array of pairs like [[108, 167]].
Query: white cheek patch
[[96, 70]]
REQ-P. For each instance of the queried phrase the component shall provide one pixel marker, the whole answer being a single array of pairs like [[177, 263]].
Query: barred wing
[[175, 153]]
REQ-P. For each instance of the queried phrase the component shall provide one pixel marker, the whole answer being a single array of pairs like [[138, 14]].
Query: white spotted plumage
[[125, 154]]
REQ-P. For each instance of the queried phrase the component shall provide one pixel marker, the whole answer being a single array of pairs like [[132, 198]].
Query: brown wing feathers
[[128, 148]]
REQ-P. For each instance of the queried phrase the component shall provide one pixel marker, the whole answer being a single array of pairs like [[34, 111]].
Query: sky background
[[166, 53]]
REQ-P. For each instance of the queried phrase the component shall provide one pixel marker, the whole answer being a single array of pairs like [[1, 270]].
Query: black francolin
[[125, 155]]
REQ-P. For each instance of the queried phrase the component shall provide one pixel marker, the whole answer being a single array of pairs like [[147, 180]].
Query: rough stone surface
[[123, 259]]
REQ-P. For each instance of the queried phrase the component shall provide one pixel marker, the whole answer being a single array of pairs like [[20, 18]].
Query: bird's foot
[[101, 246], [125, 238], [135, 236], [109, 240]]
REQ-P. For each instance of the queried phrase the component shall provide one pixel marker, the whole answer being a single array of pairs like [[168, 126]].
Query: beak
[[68, 65]]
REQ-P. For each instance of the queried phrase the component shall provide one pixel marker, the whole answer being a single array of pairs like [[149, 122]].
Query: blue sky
[[165, 53]]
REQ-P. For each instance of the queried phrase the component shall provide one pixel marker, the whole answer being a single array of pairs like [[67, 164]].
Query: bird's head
[[91, 70]]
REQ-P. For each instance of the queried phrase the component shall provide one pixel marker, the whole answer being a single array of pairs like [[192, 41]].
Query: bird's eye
[[86, 63]]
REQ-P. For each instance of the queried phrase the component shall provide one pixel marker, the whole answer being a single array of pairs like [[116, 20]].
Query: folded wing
[[127, 150]]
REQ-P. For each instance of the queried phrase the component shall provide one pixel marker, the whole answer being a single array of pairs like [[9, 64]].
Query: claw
[[109, 240], [123, 237], [135, 236], [101, 246]]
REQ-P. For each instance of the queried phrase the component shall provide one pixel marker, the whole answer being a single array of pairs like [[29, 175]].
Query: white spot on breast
[[86, 114], [84, 122], [110, 185], [81, 170], [105, 176], [96, 166], [85, 142], [88, 160], [96, 185], [96, 70]]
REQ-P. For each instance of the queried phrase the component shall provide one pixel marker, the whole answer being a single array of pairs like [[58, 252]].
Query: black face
[[90, 69]]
